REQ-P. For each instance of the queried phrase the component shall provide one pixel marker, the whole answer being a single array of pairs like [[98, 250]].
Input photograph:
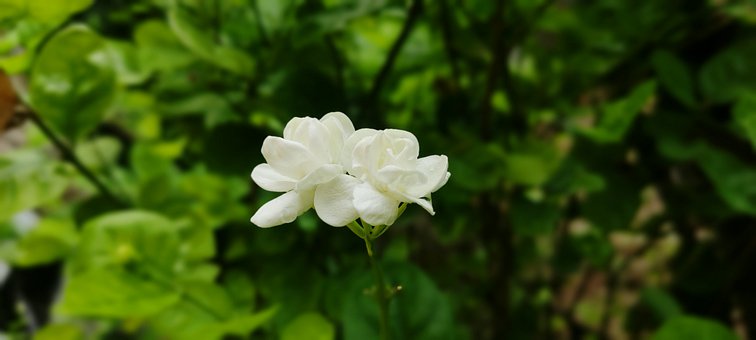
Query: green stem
[[69, 155], [356, 229], [380, 295]]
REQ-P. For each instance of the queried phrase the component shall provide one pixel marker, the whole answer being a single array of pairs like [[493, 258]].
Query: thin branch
[[447, 34], [338, 63], [69, 155], [216, 20], [501, 46], [537, 14], [499, 51], [380, 79], [613, 284], [260, 26]]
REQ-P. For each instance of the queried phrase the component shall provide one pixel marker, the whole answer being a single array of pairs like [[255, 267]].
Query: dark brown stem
[[498, 231], [68, 155], [338, 63], [613, 284], [448, 38], [380, 79], [260, 27], [499, 51]]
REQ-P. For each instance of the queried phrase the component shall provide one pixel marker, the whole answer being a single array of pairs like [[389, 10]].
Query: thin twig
[[338, 64], [380, 79], [613, 283], [448, 38], [499, 51], [70, 156], [501, 46], [537, 14], [260, 26]]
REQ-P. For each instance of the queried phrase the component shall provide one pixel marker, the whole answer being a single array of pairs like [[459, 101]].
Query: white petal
[[402, 196], [283, 209], [339, 124], [367, 156], [289, 158], [350, 144], [321, 175], [405, 143], [434, 168], [270, 179], [400, 178], [442, 182], [340, 128], [334, 201], [373, 206], [293, 125], [313, 134], [424, 203]]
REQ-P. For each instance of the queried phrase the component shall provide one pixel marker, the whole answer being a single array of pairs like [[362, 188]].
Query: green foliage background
[[602, 157]]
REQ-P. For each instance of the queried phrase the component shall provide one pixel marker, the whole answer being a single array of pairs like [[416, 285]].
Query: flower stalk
[[380, 292]]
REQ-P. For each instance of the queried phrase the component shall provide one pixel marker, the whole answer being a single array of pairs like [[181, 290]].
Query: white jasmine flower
[[386, 172], [309, 154]]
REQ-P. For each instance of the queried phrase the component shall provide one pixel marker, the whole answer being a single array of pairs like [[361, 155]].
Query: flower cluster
[[344, 174]]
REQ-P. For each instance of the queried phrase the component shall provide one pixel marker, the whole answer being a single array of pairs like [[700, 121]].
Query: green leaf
[[49, 12], [99, 153], [28, 179], [141, 249], [244, 324], [72, 81], [54, 12], [531, 163], [615, 206], [158, 48], [309, 326], [114, 293], [730, 74], [59, 331], [222, 154], [675, 76], [16, 63], [215, 108], [593, 247], [202, 103], [618, 116], [419, 311], [126, 63], [199, 273], [47, 242], [533, 218], [240, 288], [745, 116], [11, 8], [693, 328], [661, 303], [153, 159], [733, 179], [206, 309], [573, 177], [281, 280], [200, 244], [129, 237], [203, 45]]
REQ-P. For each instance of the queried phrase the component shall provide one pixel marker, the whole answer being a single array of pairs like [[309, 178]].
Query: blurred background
[[602, 157]]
